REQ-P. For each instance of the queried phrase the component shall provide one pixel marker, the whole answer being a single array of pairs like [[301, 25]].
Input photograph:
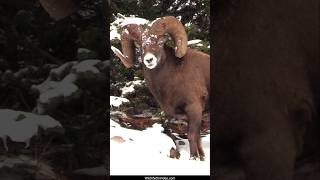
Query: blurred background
[[53, 90]]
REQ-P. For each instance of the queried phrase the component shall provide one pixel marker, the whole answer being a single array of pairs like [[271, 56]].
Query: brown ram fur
[[182, 90], [266, 86], [180, 82]]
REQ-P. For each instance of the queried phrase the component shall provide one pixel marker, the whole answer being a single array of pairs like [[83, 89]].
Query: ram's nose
[[150, 60]]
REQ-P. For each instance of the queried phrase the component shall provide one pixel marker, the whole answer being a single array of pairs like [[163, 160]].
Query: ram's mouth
[[151, 65]]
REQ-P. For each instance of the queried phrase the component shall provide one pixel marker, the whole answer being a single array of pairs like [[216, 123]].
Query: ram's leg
[[194, 113], [200, 148]]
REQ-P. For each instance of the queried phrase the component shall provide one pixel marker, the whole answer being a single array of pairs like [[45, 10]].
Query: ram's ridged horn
[[131, 33], [174, 27]]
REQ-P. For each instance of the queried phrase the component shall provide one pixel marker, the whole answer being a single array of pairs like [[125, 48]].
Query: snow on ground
[[199, 44], [63, 83], [129, 87], [87, 66], [114, 33], [186, 4], [121, 21], [133, 20], [114, 28], [117, 101], [147, 153], [196, 41], [21, 126], [188, 24]]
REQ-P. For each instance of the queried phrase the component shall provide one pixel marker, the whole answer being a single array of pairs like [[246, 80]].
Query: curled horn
[[174, 27], [130, 34]]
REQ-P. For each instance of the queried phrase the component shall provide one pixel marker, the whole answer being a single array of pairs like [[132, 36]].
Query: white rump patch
[[150, 60]]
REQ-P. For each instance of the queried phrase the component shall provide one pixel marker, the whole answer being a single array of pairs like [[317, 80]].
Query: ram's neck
[[166, 67], [158, 78]]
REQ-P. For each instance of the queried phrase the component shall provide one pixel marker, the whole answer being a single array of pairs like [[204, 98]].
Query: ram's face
[[152, 48]]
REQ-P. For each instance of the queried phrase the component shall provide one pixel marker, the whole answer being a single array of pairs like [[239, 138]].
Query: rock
[[84, 53], [174, 153], [138, 123], [118, 139]]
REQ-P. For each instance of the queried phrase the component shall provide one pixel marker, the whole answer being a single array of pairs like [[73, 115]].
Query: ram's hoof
[[202, 158], [193, 158]]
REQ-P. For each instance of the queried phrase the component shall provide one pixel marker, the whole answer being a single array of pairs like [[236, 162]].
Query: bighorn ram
[[178, 78]]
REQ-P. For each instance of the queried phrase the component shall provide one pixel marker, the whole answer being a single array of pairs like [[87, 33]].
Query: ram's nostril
[[149, 60]]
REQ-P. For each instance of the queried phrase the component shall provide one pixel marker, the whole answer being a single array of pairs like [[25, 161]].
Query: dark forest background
[[37, 50]]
